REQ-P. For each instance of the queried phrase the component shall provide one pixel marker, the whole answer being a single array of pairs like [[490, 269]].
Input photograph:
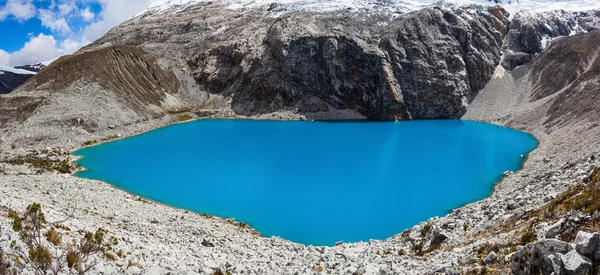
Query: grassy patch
[[108, 138], [426, 229], [182, 118], [179, 111], [44, 164], [90, 142]]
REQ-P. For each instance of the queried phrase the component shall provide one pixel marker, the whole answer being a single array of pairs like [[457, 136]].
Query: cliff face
[[425, 64], [531, 32]]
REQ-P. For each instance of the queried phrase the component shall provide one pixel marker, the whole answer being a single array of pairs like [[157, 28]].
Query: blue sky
[[35, 31]]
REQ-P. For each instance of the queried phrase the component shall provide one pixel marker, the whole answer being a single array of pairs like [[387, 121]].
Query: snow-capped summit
[[512, 6], [32, 68]]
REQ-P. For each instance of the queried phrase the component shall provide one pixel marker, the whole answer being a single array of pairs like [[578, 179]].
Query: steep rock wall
[[424, 64]]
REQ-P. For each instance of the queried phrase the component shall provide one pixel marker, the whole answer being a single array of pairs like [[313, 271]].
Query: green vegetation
[[182, 118], [44, 164], [426, 229], [179, 111], [90, 142], [31, 225], [528, 237], [417, 248], [109, 138]]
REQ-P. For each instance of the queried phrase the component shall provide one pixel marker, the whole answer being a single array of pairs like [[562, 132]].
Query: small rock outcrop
[[552, 256]]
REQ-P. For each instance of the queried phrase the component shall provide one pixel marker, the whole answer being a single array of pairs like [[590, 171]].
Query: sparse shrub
[[111, 256], [53, 236], [30, 225], [405, 233], [528, 237], [90, 142], [108, 138], [426, 229], [114, 240], [44, 164], [418, 248], [179, 111], [401, 252]]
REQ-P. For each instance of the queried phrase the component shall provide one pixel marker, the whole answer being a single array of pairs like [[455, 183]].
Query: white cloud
[[4, 57], [66, 8], [87, 14], [39, 49], [113, 13], [20, 9], [53, 21], [56, 15]]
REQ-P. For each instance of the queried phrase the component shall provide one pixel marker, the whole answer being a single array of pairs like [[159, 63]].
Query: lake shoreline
[[488, 139], [147, 221]]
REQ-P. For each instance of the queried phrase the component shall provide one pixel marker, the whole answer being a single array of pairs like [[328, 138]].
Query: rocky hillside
[[425, 64], [531, 32]]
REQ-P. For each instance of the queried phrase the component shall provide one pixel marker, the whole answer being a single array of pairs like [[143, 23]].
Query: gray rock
[[586, 243], [557, 265], [576, 264], [207, 243], [490, 258], [554, 229], [550, 197], [438, 238], [535, 256]]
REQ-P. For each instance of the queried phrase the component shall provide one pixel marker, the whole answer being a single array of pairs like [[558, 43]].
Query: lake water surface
[[314, 182]]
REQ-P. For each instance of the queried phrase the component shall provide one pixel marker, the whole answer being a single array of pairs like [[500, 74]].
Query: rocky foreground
[[442, 62]]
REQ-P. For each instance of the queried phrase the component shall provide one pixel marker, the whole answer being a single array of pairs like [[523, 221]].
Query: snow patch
[[15, 71], [403, 5]]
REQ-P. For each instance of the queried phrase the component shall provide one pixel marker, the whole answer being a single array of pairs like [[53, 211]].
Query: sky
[[33, 31]]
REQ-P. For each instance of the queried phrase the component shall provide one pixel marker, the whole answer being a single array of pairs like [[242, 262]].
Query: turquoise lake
[[314, 182]]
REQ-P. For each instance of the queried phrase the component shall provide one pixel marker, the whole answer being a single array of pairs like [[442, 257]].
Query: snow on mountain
[[32, 68], [404, 5], [15, 70]]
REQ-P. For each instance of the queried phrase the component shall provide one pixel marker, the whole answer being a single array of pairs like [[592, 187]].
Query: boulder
[[535, 257], [554, 229], [438, 238], [557, 265], [490, 258], [586, 243], [576, 264]]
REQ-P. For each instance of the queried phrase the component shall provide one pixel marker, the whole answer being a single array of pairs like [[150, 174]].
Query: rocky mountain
[[11, 78], [32, 68], [531, 32]]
